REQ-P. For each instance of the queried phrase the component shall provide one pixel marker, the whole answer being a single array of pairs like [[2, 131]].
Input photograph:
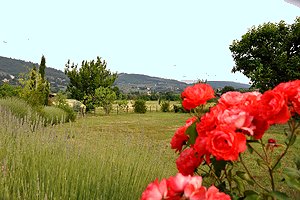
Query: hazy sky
[[176, 39]]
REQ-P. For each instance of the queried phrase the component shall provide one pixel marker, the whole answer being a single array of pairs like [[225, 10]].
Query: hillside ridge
[[10, 68]]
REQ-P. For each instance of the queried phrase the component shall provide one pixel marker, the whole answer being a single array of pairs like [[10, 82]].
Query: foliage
[[18, 107], [165, 106], [123, 104], [227, 89], [53, 115], [85, 80], [268, 54], [60, 101], [140, 106], [105, 97], [42, 67], [35, 88], [7, 90], [179, 109]]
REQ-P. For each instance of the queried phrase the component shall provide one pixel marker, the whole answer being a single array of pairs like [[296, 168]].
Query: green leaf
[[260, 163], [245, 176], [240, 184], [297, 162], [292, 182], [219, 165], [278, 195], [192, 132], [292, 177], [291, 172], [250, 148], [251, 195]]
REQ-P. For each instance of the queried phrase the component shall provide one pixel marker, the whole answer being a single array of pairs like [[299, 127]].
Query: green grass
[[96, 157], [109, 157]]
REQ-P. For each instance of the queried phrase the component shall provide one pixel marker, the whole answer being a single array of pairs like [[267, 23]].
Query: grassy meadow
[[96, 157]]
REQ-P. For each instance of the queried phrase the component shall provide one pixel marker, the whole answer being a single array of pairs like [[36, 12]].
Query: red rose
[[292, 91], [188, 161], [209, 120], [231, 99], [214, 194], [237, 118], [225, 144], [180, 138], [273, 107], [156, 191], [196, 95], [261, 126]]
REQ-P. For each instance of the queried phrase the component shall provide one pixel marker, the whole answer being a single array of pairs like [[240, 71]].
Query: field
[[96, 157]]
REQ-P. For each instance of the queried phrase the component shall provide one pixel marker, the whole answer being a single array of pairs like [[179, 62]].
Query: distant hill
[[11, 68], [138, 82]]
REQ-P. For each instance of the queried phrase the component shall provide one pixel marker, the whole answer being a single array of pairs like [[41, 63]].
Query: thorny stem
[[293, 127], [214, 174], [268, 165], [257, 153], [229, 180], [248, 172]]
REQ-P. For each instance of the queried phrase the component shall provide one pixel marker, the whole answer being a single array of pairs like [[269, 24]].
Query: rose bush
[[218, 139]]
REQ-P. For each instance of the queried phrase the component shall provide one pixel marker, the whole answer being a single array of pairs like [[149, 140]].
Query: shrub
[[140, 106], [53, 115], [178, 109], [165, 106], [18, 107], [71, 114]]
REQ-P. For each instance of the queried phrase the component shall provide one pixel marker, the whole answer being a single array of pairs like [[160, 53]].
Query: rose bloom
[[273, 107], [231, 98], [237, 118], [292, 91], [196, 95], [188, 161], [209, 120], [261, 126], [214, 194], [182, 187], [180, 138], [225, 144], [156, 191]]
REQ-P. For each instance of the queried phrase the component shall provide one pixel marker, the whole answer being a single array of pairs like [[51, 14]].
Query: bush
[[140, 106], [18, 107], [178, 109], [71, 114], [165, 106], [53, 115]]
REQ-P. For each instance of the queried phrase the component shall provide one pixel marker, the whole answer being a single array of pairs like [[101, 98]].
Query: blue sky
[[176, 39]]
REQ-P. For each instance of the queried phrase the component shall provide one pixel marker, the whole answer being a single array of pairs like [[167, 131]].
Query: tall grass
[[86, 160]]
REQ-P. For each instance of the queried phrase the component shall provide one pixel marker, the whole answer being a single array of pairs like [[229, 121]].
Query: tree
[[139, 106], [35, 90], [85, 80], [7, 90], [227, 88], [268, 54], [46, 85], [42, 67], [105, 97]]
